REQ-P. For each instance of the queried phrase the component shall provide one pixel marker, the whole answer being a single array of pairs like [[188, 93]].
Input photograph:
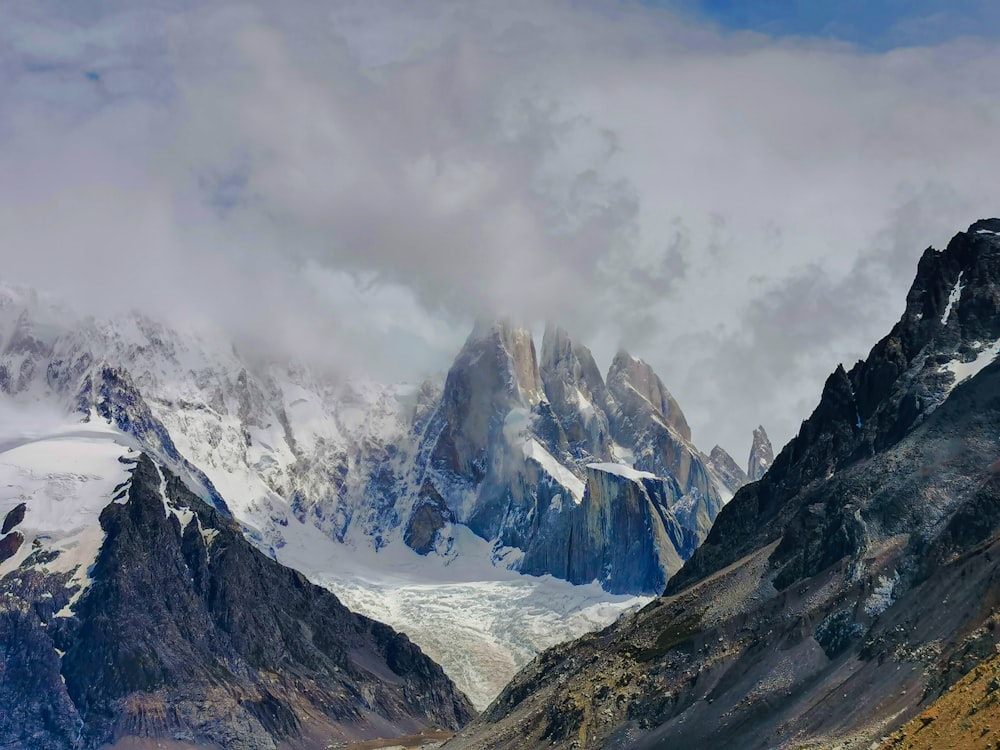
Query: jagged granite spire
[[761, 454], [496, 371], [630, 378], [576, 391]]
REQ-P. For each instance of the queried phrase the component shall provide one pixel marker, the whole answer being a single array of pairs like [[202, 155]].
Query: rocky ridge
[[183, 631]]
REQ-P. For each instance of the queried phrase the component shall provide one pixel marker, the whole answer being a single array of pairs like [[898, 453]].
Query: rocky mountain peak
[[949, 332], [726, 469], [496, 371], [629, 377], [761, 454], [576, 391], [508, 349]]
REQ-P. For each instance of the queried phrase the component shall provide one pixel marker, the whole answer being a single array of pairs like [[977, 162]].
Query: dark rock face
[[761, 455], [35, 709], [874, 405], [10, 544], [623, 535], [13, 517], [430, 515], [841, 593], [188, 632]]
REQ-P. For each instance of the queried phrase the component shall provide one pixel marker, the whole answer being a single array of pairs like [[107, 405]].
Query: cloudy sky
[[736, 192]]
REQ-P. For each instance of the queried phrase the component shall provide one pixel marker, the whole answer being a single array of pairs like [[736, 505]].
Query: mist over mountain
[[398, 374], [354, 186]]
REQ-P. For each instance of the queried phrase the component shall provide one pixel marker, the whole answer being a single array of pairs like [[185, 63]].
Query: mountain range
[[170, 507], [506, 469], [527, 454], [842, 593]]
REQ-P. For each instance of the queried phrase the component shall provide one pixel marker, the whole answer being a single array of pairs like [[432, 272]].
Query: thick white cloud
[[333, 179]]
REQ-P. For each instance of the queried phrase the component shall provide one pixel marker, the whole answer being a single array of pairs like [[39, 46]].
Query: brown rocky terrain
[[966, 717]]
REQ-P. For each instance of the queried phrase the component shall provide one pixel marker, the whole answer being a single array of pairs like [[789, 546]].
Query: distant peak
[[487, 326], [761, 454], [624, 357], [629, 373]]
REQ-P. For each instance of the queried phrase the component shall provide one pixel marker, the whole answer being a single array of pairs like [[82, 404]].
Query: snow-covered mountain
[[129, 608], [507, 447], [510, 464]]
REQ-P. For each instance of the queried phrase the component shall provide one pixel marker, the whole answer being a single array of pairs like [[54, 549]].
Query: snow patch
[[535, 451], [65, 472], [962, 371], [516, 428], [621, 470], [953, 298]]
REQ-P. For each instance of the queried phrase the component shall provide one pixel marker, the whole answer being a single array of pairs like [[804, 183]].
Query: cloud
[[333, 180]]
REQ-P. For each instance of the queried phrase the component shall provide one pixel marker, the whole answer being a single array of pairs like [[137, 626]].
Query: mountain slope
[[180, 629], [836, 596]]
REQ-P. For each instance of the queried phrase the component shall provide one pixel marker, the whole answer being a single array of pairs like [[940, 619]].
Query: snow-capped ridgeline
[[502, 444], [445, 491], [271, 440], [313, 468]]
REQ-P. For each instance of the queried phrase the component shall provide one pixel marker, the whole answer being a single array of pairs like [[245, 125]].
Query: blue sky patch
[[875, 24]]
